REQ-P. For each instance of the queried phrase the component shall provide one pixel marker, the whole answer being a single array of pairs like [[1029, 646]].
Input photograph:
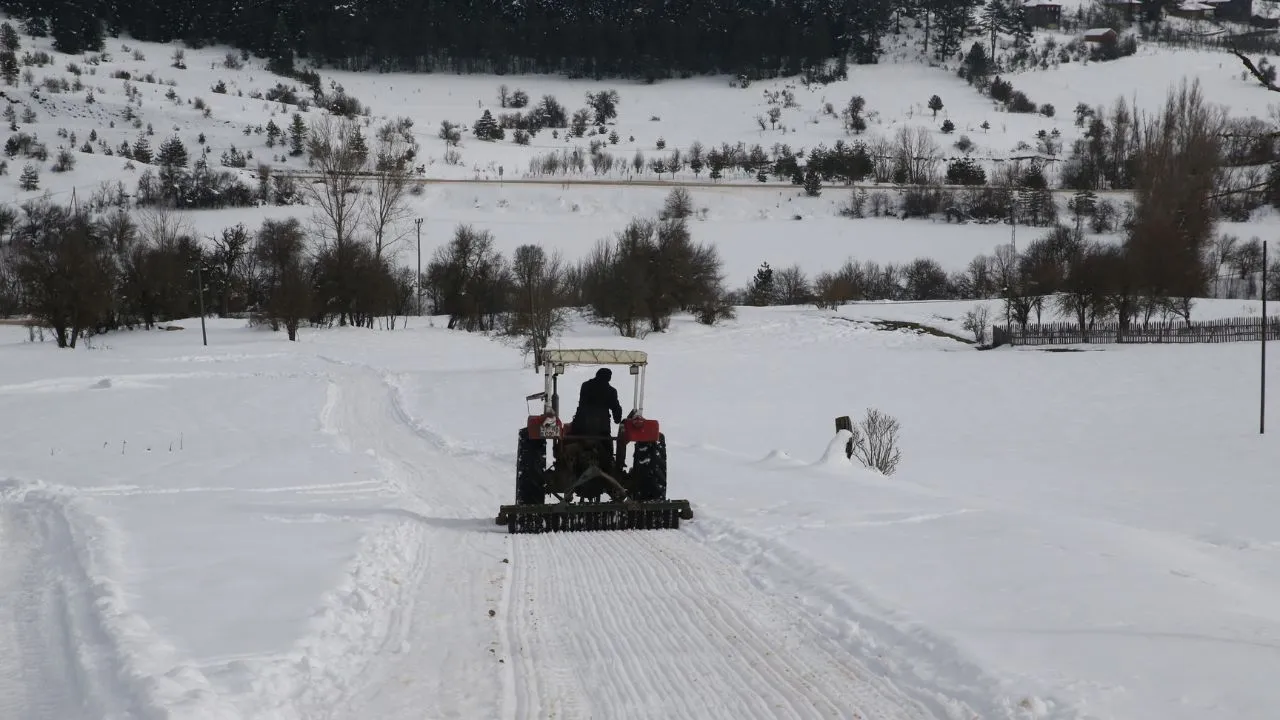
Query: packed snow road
[[572, 625], [439, 612]]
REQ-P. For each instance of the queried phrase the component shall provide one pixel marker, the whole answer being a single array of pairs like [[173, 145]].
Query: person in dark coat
[[596, 401]]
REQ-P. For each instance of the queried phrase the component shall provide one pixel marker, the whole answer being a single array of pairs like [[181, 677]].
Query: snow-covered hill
[[160, 101]]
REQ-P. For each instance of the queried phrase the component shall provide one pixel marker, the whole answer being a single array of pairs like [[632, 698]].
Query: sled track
[[650, 624]]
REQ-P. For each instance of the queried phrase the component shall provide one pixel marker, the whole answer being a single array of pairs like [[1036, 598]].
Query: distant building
[[1237, 10], [1101, 36], [1128, 9], [1043, 13], [1191, 10]]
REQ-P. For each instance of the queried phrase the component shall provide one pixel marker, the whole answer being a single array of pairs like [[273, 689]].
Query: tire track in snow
[[407, 635], [587, 625], [70, 646], [651, 624]]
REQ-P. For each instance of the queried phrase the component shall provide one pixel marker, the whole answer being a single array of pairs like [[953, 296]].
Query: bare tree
[[1173, 220], [394, 152], [792, 286], [1224, 249], [677, 206], [64, 265], [469, 280], [614, 279], [1247, 262], [230, 251], [335, 147], [339, 160], [537, 299], [280, 249], [1084, 292], [915, 155]]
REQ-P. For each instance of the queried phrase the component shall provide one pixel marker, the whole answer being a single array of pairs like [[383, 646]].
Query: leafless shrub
[[875, 442], [976, 321]]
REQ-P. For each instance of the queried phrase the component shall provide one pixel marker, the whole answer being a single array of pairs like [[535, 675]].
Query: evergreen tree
[[142, 150], [173, 154], [762, 291], [9, 69], [1082, 204], [30, 178], [976, 63], [486, 128], [935, 104], [297, 135], [9, 39], [812, 183], [75, 27], [273, 133], [995, 18], [359, 149]]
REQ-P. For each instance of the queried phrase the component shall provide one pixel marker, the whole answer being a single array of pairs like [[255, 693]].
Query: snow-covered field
[[261, 529], [264, 529]]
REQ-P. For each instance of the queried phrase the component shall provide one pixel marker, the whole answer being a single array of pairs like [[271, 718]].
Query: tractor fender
[[537, 425], [639, 430]]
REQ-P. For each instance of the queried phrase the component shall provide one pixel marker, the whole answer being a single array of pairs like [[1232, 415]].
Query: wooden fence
[[1238, 329]]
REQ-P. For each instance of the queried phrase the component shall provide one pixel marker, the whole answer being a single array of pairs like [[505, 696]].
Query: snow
[[264, 529], [1078, 535]]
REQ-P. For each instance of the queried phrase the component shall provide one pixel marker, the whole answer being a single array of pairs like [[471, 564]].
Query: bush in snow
[[976, 322], [875, 442]]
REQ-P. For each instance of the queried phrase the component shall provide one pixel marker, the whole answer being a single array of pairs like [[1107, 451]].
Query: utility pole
[[1262, 408], [418, 281], [204, 336]]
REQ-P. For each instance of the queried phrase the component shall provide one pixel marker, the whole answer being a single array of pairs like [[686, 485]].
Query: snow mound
[[835, 457], [779, 459]]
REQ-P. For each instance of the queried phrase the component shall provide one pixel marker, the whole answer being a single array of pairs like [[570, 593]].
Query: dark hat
[[604, 373]]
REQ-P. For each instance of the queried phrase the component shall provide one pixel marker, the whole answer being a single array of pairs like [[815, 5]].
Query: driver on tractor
[[597, 399]]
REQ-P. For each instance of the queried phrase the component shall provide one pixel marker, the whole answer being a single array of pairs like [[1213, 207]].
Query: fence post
[[844, 422]]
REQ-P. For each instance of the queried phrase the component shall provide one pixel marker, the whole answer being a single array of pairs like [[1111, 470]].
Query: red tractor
[[585, 468]]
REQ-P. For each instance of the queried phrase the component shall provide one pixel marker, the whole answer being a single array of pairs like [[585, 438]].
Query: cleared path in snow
[[650, 624], [576, 625], [55, 663]]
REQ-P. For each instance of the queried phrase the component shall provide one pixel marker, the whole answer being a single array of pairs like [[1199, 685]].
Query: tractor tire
[[531, 464], [649, 469]]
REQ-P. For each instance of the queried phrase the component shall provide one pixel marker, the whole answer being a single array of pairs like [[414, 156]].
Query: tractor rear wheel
[[649, 469], [531, 464]]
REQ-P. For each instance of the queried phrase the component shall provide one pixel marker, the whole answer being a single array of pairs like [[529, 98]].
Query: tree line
[[649, 39]]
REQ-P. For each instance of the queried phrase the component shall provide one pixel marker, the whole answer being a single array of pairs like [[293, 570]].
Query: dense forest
[[582, 38]]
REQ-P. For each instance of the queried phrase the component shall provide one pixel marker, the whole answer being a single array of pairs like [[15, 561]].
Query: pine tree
[[486, 128], [173, 154], [9, 69], [1082, 204], [812, 183], [359, 149], [30, 179], [297, 135], [994, 20], [273, 133], [763, 290], [935, 104], [142, 150], [9, 39]]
